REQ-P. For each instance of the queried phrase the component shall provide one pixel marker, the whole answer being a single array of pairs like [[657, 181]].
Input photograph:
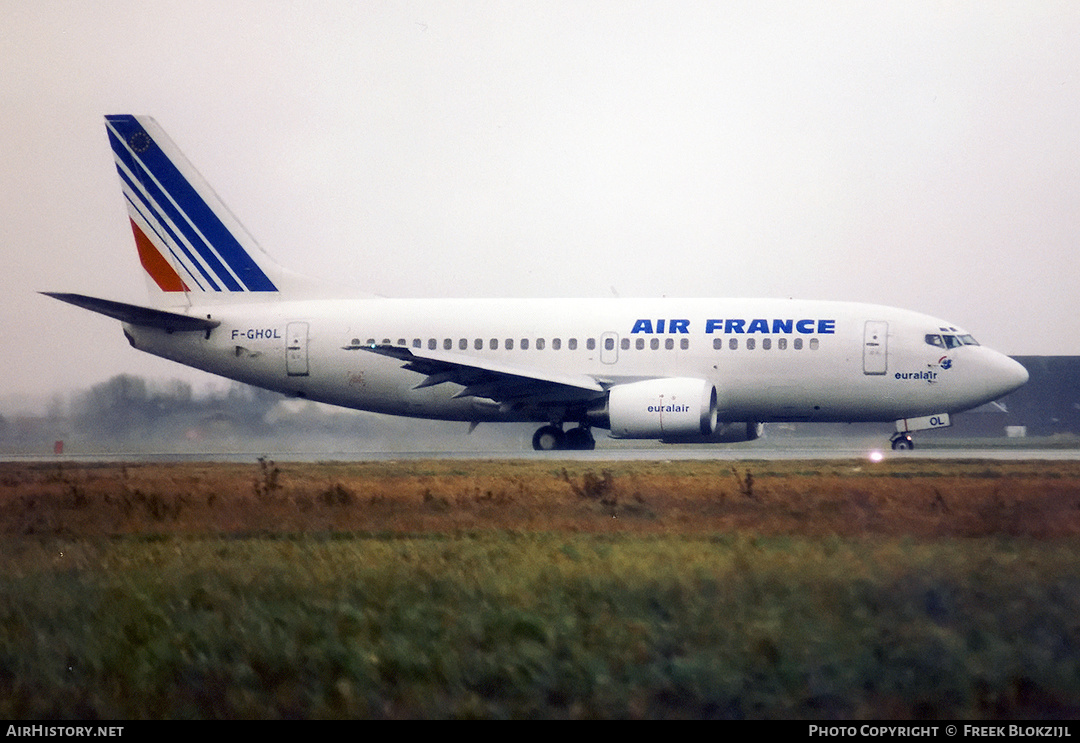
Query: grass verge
[[503, 624]]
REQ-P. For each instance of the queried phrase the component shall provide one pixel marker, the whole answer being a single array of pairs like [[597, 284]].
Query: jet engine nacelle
[[662, 408], [725, 433]]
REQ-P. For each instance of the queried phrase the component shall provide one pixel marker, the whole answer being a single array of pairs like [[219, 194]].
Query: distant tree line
[[127, 406], [129, 410]]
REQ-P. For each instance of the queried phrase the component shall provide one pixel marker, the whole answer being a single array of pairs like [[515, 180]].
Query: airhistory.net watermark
[[65, 731]]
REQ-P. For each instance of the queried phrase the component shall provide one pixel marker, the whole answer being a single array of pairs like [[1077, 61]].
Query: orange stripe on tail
[[160, 270]]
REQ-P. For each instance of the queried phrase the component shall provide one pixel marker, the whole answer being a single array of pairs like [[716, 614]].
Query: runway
[[760, 452], [658, 455]]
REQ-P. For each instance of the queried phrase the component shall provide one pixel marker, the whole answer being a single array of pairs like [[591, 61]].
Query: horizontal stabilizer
[[136, 315]]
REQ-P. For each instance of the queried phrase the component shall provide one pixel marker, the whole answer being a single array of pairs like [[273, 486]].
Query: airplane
[[672, 370]]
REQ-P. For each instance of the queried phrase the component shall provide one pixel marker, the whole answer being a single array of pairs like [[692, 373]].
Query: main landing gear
[[552, 438]]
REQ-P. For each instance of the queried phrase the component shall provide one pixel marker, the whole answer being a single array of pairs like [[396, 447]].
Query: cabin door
[[875, 357], [296, 349]]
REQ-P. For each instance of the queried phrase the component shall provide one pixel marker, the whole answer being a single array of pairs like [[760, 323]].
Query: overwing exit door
[[609, 348], [875, 358], [296, 349]]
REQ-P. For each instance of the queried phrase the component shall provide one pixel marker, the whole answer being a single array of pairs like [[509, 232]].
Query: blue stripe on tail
[[177, 199], [156, 220]]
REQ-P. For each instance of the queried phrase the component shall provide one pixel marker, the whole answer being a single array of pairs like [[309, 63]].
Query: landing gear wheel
[[579, 439], [548, 438], [902, 442]]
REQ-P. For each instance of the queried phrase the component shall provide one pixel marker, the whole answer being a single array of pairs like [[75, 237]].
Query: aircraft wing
[[482, 378]]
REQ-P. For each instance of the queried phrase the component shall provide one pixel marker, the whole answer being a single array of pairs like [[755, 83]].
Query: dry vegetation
[[902, 497], [537, 589]]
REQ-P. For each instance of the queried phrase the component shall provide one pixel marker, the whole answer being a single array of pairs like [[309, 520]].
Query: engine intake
[[662, 408]]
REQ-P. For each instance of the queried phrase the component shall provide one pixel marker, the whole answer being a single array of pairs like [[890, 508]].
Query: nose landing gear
[[902, 442]]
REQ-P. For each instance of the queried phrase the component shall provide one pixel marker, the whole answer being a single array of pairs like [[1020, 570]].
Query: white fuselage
[[770, 360]]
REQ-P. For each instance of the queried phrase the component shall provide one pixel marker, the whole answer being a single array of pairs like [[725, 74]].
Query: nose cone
[[989, 376], [1008, 375], [1017, 375]]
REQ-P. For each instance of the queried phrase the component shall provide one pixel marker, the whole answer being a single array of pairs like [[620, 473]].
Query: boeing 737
[[673, 370]]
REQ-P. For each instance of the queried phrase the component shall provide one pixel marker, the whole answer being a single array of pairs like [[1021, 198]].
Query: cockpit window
[[950, 341]]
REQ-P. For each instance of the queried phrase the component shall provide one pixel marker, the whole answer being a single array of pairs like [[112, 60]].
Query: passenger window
[[609, 344], [750, 344], [447, 344], [524, 344], [463, 344], [654, 343], [669, 343], [401, 342], [590, 344], [539, 344], [766, 344], [625, 343], [493, 344], [478, 344], [640, 343], [733, 343], [798, 344], [572, 344], [781, 344], [416, 343], [813, 344], [556, 344], [717, 343], [432, 344], [509, 344], [684, 344]]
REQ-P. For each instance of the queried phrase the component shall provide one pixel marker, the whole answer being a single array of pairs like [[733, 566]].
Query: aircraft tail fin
[[191, 247]]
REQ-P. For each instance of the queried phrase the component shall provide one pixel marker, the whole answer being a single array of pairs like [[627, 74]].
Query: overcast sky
[[923, 155]]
